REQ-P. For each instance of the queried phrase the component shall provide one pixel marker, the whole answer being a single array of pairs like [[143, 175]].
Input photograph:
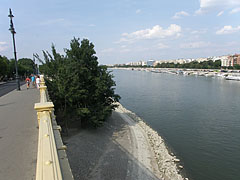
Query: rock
[[181, 167], [176, 160]]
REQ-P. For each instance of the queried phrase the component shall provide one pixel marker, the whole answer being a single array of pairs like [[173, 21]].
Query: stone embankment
[[169, 166]]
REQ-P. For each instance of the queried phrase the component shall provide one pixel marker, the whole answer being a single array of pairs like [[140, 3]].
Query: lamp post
[[12, 30], [35, 64]]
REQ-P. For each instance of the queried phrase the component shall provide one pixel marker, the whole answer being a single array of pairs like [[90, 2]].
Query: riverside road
[[18, 132], [6, 87]]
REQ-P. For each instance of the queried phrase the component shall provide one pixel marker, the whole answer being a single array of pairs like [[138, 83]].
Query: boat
[[235, 78]]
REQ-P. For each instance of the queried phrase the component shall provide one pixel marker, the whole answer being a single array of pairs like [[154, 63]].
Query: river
[[199, 118]]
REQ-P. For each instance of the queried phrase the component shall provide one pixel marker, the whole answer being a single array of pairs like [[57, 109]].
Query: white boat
[[236, 78]]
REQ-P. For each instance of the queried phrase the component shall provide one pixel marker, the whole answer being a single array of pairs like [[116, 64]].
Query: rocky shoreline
[[123, 148], [168, 164]]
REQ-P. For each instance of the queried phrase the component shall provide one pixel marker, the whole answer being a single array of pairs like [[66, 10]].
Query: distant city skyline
[[124, 30]]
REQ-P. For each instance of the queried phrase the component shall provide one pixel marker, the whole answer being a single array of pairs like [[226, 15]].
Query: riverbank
[[124, 148], [168, 165]]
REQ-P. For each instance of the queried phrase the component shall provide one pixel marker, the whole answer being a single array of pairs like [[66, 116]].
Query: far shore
[[218, 73]]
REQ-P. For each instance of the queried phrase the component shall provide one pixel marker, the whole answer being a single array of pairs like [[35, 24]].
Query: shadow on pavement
[[7, 104]]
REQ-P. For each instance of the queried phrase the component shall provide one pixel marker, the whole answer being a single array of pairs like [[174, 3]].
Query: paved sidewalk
[[18, 134]]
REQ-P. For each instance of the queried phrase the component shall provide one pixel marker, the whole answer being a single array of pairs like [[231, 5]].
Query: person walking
[[27, 80], [38, 81], [33, 80]]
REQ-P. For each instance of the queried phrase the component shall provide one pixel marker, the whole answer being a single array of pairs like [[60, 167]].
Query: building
[[233, 60], [150, 62], [143, 63], [201, 59], [224, 61]]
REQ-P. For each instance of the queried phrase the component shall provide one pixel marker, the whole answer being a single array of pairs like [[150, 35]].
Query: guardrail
[[52, 162]]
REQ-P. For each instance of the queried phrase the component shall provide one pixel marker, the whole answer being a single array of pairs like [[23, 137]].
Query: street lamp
[[12, 30], [35, 64]]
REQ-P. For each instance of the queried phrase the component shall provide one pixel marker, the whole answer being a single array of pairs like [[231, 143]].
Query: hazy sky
[[124, 30]]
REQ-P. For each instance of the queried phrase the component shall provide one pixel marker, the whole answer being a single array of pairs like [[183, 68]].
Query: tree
[[11, 68], [80, 89], [26, 66], [3, 67], [236, 66], [217, 64]]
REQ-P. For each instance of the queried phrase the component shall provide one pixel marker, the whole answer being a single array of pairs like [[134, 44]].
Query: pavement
[[116, 151], [18, 134]]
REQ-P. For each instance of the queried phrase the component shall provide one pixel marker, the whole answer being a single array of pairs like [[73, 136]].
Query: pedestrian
[[38, 82], [27, 80], [33, 80]]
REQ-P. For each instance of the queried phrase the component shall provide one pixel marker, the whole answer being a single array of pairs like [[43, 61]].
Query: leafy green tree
[[11, 68], [236, 66], [3, 67], [217, 64], [26, 66], [82, 91]]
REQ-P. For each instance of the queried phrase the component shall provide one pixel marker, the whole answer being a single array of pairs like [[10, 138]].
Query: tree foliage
[[26, 66], [193, 65], [82, 91], [3, 66]]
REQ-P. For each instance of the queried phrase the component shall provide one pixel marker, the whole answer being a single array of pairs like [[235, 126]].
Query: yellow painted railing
[[52, 162]]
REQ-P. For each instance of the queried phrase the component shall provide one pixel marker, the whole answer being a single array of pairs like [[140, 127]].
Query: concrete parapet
[[52, 161]]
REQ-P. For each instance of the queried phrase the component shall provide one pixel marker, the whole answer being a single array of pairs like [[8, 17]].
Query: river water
[[199, 118]]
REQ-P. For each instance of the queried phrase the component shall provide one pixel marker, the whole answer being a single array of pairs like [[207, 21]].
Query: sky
[[124, 30]]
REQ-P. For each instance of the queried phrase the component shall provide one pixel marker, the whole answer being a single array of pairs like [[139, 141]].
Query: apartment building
[[233, 60]]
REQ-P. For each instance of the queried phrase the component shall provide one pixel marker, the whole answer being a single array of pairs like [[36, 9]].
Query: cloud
[[207, 5], [220, 13], [2, 43], [202, 31], [180, 14], [228, 30], [161, 46], [124, 50], [193, 45], [3, 46], [138, 11], [157, 32], [51, 21], [91, 25], [108, 50], [235, 10]]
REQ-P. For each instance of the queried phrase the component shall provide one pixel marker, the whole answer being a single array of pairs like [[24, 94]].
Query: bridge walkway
[[18, 134]]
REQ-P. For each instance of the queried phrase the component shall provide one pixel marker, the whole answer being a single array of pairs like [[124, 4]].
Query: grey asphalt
[[18, 134], [6, 87]]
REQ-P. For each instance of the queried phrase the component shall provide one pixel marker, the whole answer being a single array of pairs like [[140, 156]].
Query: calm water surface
[[199, 117]]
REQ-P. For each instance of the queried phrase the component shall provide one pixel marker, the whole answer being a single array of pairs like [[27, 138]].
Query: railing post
[[42, 82], [41, 107]]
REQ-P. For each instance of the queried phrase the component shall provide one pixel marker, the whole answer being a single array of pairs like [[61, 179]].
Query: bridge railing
[[52, 162]]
